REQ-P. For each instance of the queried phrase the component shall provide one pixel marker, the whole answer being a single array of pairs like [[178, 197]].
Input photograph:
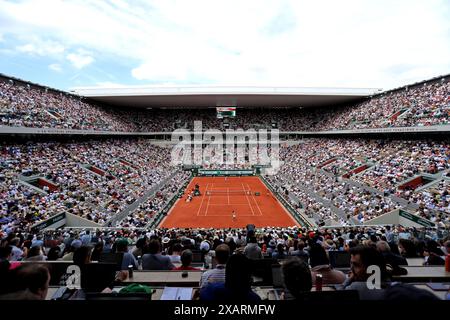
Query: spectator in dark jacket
[[297, 277], [237, 286], [392, 259], [433, 254]]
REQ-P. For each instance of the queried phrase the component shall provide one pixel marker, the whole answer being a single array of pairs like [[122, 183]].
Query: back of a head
[[383, 246], [82, 255], [154, 246], [140, 243], [15, 242], [402, 292], [222, 253], [5, 252], [122, 245], [32, 277], [177, 247], [53, 254], [34, 251], [297, 276], [318, 255], [300, 245], [186, 257], [238, 273], [409, 248], [280, 248]]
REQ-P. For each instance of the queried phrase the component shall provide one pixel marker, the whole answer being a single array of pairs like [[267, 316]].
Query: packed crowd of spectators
[[402, 160], [318, 166], [146, 212], [435, 198], [99, 179], [303, 254], [22, 105], [25, 106], [93, 179], [422, 105]]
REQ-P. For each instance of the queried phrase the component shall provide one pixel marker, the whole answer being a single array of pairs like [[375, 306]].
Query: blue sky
[[73, 43]]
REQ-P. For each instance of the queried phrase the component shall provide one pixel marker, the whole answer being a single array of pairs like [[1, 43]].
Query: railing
[[157, 220], [295, 214], [129, 209], [166, 134]]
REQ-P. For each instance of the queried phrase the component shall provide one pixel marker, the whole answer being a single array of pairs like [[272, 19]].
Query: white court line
[[246, 196], [233, 204], [253, 197], [227, 215], [207, 204], [203, 198]]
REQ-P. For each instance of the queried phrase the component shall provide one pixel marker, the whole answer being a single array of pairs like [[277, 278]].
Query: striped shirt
[[213, 275]]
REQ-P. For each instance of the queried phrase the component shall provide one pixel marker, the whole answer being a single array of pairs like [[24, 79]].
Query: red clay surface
[[228, 194]]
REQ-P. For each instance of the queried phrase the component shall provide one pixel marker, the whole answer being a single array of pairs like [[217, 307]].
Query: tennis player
[[233, 214]]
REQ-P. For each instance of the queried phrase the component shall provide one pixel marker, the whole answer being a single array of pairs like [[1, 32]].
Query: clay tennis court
[[219, 197]]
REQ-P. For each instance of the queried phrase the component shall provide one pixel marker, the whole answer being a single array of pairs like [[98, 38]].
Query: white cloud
[[40, 47], [55, 67], [80, 59], [299, 42]]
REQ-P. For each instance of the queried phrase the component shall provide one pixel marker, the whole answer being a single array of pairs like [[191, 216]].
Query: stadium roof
[[211, 96]]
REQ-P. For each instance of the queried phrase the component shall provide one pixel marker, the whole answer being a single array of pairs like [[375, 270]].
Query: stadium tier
[[29, 105], [120, 209]]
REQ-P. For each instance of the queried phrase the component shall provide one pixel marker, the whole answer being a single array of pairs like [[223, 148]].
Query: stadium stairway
[[398, 200], [125, 212], [340, 213]]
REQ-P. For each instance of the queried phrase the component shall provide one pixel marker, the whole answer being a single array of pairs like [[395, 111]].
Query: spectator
[[154, 260], [252, 250], [128, 258], [86, 238], [237, 286], [297, 277], [186, 260], [37, 241], [404, 292], [97, 251], [320, 264], [446, 247], [279, 253], [175, 257], [218, 273], [54, 254], [35, 254], [392, 259], [407, 248], [433, 254], [140, 247], [17, 254], [29, 282], [82, 256], [76, 244], [361, 258]]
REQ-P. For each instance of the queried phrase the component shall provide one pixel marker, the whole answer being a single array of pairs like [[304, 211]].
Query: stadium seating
[[421, 104]]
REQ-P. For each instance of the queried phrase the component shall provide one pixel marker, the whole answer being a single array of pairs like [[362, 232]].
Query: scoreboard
[[226, 112]]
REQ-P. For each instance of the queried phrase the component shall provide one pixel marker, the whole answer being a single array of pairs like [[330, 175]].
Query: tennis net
[[227, 192]]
